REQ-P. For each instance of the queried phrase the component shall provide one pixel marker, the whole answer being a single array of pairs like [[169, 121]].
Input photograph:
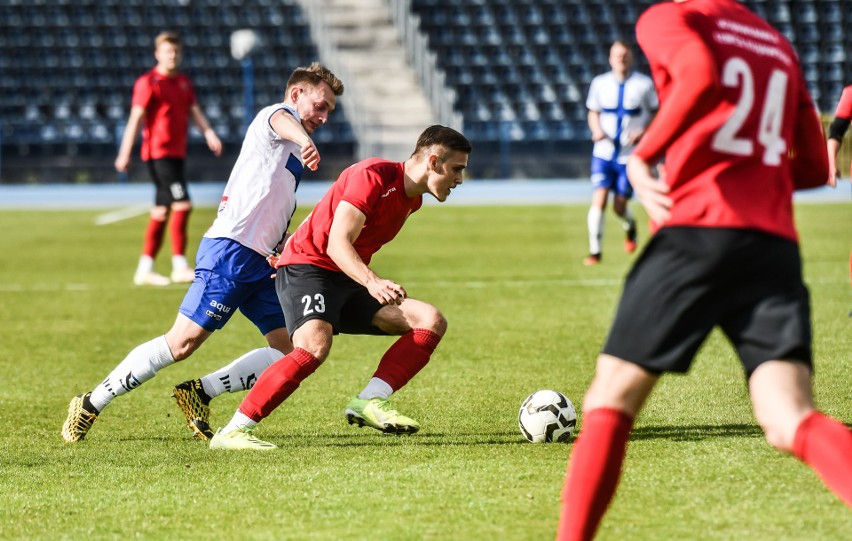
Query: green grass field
[[524, 314]]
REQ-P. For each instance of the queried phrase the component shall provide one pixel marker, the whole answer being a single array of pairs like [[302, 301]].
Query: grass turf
[[524, 314]]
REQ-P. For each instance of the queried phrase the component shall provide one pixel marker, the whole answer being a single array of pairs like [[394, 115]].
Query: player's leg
[[209, 303], [311, 303], [155, 230], [623, 193], [595, 219], [420, 327], [783, 404], [171, 172], [139, 366], [611, 404]]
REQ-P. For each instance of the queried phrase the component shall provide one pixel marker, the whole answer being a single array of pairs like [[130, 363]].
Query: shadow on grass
[[696, 432]]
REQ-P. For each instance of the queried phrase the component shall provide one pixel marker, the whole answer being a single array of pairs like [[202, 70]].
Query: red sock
[[278, 382], [153, 237], [825, 445], [177, 230], [406, 357], [593, 472]]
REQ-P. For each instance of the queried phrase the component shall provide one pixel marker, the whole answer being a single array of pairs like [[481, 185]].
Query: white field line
[[121, 214], [600, 282]]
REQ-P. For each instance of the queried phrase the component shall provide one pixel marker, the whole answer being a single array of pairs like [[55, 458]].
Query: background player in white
[[621, 104], [231, 267]]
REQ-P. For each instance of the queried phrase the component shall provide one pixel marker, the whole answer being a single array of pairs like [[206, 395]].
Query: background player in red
[[326, 287], [163, 103], [842, 118], [733, 105]]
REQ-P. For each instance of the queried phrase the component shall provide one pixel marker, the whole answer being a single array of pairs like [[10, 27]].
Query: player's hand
[[122, 163], [386, 291], [598, 136], [310, 155], [651, 191], [833, 175], [213, 142]]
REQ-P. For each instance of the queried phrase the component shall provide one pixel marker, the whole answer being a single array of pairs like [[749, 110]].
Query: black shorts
[[688, 280], [168, 177], [309, 292]]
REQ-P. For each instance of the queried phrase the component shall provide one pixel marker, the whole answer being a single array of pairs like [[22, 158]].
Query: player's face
[[314, 104], [445, 172], [620, 58], [168, 57]]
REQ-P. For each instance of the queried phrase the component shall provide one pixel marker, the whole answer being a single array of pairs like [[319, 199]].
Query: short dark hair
[[314, 75], [442, 136]]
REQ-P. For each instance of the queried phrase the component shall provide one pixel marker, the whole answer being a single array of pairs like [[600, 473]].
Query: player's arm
[[836, 131], [694, 90], [122, 161], [594, 119], [213, 142], [345, 228], [810, 161], [287, 127]]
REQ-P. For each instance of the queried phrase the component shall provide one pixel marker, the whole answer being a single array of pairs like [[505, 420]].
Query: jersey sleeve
[[363, 189], [592, 103], [844, 107], [809, 157], [677, 54], [142, 92]]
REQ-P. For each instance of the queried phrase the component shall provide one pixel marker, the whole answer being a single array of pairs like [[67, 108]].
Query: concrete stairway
[[392, 109]]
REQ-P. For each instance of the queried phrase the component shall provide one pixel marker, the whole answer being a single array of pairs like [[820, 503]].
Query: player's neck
[[164, 71], [416, 175]]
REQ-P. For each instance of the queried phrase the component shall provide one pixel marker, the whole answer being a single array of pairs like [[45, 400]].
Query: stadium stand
[[69, 67], [520, 70]]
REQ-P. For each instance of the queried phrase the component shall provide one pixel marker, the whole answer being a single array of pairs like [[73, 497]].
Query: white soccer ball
[[547, 416]]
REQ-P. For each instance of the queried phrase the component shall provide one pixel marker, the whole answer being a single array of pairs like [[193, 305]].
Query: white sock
[[179, 263], [238, 422], [377, 388], [139, 366], [241, 374], [595, 221], [146, 264]]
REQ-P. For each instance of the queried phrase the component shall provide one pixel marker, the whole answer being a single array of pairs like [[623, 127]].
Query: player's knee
[[779, 432], [159, 213], [183, 349], [433, 320]]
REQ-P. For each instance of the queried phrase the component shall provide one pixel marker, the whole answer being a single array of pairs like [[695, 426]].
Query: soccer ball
[[547, 416]]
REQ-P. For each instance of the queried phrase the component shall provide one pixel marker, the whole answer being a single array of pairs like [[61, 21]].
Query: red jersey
[[167, 101], [844, 107], [728, 151], [376, 187]]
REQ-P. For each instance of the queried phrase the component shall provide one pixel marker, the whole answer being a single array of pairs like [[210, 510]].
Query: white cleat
[[183, 276], [150, 279]]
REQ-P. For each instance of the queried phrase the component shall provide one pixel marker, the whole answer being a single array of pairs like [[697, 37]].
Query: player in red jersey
[[734, 107], [163, 103], [326, 287], [842, 118]]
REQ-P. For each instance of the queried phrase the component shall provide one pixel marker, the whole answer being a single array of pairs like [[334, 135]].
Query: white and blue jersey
[[624, 108], [254, 214]]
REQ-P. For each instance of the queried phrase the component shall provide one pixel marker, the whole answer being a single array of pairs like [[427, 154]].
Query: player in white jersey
[[621, 104], [231, 270]]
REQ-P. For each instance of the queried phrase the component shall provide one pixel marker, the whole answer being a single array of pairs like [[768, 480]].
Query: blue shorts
[[612, 176], [229, 276]]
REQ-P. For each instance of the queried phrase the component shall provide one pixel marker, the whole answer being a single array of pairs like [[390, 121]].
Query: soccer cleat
[[592, 259], [239, 440], [150, 279], [195, 405], [183, 276], [379, 414], [80, 418]]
